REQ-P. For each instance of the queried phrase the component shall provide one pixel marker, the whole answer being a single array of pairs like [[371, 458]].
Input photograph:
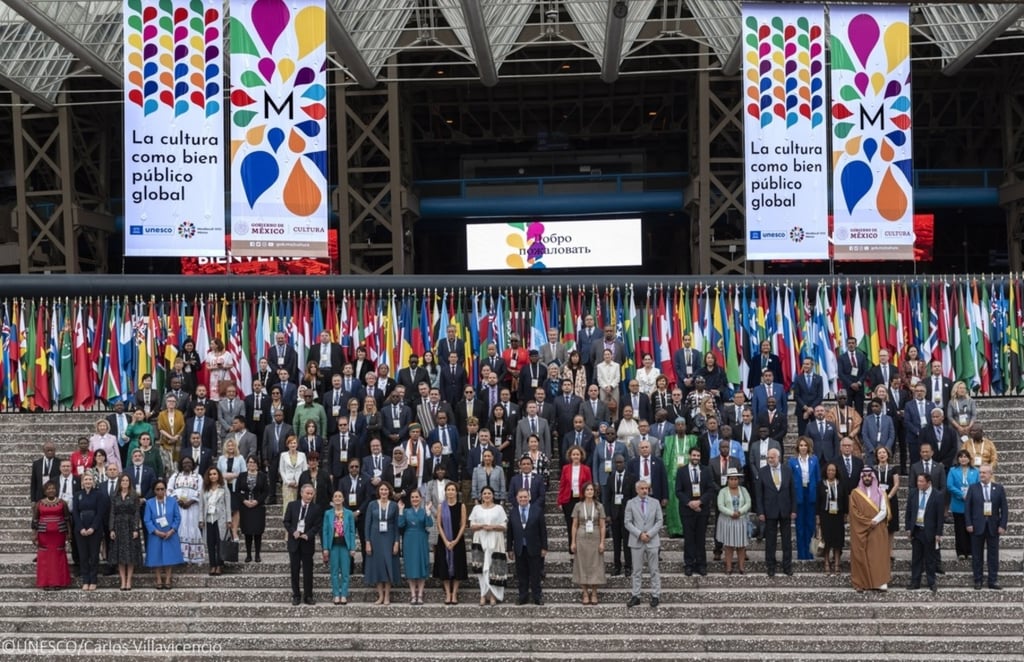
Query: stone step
[[152, 653]]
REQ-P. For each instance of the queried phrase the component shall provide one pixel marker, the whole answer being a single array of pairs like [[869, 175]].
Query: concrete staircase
[[246, 613]]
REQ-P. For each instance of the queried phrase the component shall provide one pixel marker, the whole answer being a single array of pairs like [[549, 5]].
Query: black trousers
[[302, 557], [695, 529], [619, 540], [273, 476], [88, 555], [964, 543], [923, 557], [213, 545], [979, 541], [528, 571], [784, 526]]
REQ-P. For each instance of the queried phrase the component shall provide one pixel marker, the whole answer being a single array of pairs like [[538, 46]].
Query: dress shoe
[[688, 572], [248, 558], [522, 601], [995, 587], [933, 588], [789, 573], [258, 559], [913, 587], [539, 602], [633, 601], [718, 556], [628, 572], [703, 572], [616, 571], [310, 601], [771, 573], [296, 601], [940, 570], [655, 602]]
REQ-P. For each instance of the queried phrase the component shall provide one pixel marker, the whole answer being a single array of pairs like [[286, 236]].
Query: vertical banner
[[278, 128], [872, 194], [785, 135], [173, 128]]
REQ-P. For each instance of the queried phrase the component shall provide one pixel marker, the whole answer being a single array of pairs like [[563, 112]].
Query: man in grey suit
[[643, 521], [776, 509], [228, 408], [593, 409], [532, 424], [876, 430], [757, 458], [553, 351], [823, 435]]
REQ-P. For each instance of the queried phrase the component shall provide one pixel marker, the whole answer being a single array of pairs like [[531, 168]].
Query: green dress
[[675, 448]]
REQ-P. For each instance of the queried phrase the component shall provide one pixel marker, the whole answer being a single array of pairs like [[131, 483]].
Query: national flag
[[41, 393], [734, 359], [569, 324], [664, 357], [318, 321], [241, 369], [824, 342], [946, 324], [331, 322], [788, 354], [643, 340], [201, 334], [982, 335], [416, 336], [538, 331], [1000, 355], [860, 331], [7, 392], [716, 330], [628, 368], [173, 335], [111, 390]]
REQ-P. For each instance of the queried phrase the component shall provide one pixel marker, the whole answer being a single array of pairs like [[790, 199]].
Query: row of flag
[[79, 352]]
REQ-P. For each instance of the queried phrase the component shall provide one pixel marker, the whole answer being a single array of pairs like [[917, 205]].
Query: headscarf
[[872, 492], [399, 467]]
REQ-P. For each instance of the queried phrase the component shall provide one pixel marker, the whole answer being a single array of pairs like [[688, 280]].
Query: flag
[[40, 368], [945, 332], [628, 370], [538, 331], [112, 381], [787, 338], [664, 358], [998, 339], [716, 330], [733, 337], [241, 369], [824, 342], [67, 366], [982, 333], [569, 324], [643, 339], [421, 330], [7, 392]]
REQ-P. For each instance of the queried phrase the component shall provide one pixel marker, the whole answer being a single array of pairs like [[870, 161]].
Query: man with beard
[[869, 535]]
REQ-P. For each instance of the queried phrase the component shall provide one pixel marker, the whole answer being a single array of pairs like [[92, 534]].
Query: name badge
[[398, 482], [920, 516], [746, 446], [343, 456], [396, 423], [854, 371], [681, 461], [689, 370], [336, 411], [256, 413], [963, 438], [977, 460], [280, 360], [987, 509], [447, 450], [695, 489], [937, 398], [884, 487], [607, 466], [618, 499], [833, 507], [533, 383], [842, 428], [924, 423], [575, 492], [161, 522], [352, 499], [414, 461], [725, 480], [376, 473], [764, 463], [963, 419], [589, 526], [383, 526]]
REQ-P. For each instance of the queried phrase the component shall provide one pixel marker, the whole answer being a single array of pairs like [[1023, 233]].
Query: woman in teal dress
[[414, 522], [380, 567], [163, 547], [338, 538]]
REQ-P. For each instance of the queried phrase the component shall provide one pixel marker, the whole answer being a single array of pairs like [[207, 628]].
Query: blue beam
[[566, 204]]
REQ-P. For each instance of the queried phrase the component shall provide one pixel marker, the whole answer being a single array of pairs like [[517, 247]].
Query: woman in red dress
[[50, 524]]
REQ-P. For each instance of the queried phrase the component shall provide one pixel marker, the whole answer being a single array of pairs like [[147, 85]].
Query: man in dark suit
[[585, 339], [707, 442], [283, 355], [356, 488], [938, 386], [202, 458], [823, 435], [448, 436], [593, 409], [567, 405], [695, 492], [757, 459], [496, 363], [257, 409], [302, 519], [852, 366], [527, 480], [451, 343], [849, 465], [546, 410], [609, 342], [764, 360], [943, 438], [470, 406], [274, 438], [341, 447], [620, 488], [774, 418], [916, 417], [768, 388], [986, 517], [732, 413], [202, 399], [923, 524], [686, 362], [395, 421], [142, 477], [531, 377], [327, 355], [776, 508], [930, 466], [385, 383], [453, 379], [527, 546], [44, 470], [876, 430], [881, 373], [640, 403], [651, 469], [289, 390], [808, 391], [410, 377]]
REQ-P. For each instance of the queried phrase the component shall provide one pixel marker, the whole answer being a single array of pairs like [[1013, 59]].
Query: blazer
[[565, 483], [253, 422], [944, 445], [659, 476], [845, 370], [759, 399], [208, 433], [497, 366], [807, 396], [642, 410], [826, 446], [531, 535], [591, 419], [333, 351], [446, 347], [221, 506], [680, 365], [289, 473], [259, 492], [548, 356], [715, 466], [145, 487], [876, 376], [523, 433], [776, 502], [808, 494], [627, 492], [974, 510], [248, 445], [409, 482], [938, 474], [777, 426], [933, 512], [684, 489], [852, 479], [38, 479], [600, 456], [597, 351], [945, 387], [205, 460], [463, 410], [314, 518], [452, 384], [287, 359], [331, 456], [496, 482], [226, 412], [912, 420], [757, 366], [527, 373], [565, 412], [273, 440], [643, 518], [361, 490], [348, 522], [388, 423], [322, 491], [360, 370], [537, 490], [89, 510], [841, 495], [876, 433], [368, 467]]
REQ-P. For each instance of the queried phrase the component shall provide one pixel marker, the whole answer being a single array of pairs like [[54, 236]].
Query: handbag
[[818, 545], [476, 558], [229, 551], [498, 575]]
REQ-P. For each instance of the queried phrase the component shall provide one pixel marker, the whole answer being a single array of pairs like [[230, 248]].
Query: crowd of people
[[384, 469]]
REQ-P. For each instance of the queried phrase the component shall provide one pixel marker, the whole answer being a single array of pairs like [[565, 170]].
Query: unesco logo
[[186, 229], [797, 234]]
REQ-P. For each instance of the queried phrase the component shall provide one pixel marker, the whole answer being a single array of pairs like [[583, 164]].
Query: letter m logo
[[866, 119], [284, 108]]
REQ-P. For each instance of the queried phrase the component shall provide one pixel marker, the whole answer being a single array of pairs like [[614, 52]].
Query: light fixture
[[566, 66], [620, 9]]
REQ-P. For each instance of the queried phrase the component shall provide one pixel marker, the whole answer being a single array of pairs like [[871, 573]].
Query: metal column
[[716, 161], [1011, 193], [375, 206]]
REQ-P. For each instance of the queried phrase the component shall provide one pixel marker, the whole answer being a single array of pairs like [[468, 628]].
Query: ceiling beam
[[615, 29], [22, 93], [478, 40], [347, 50], [70, 42], [984, 40]]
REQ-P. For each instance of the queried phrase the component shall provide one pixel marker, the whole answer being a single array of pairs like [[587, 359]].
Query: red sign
[[265, 266], [924, 238]]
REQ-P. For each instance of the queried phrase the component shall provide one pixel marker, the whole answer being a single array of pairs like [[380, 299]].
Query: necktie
[[808, 381], [46, 467], [566, 399], [693, 475], [928, 467], [618, 484], [138, 475], [849, 467], [935, 388], [777, 480], [302, 512], [821, 429], [920, 505], [853, 359], [524, 514], [259, 402], [647, 467], [526, 482], [533, 425], [987, 496], [643, 505], [453, 371]]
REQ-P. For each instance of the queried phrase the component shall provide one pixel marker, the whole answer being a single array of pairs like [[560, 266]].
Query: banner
[[872, 193], [554, 244], [785, 135], [173, 128], [278, 128], [264, 266]]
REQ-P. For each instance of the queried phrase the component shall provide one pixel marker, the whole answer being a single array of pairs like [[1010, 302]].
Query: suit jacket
[[388, 423], [427, 419], [757, 367], [533, 536], [211, 408], [852, 479], [226, 412], [684, 487], [759, 398], [874, 434], [273, 442], [565, 412], [597, 350], [205, 460], [289, 360], [145, 487], [731, 418], [585, 340], [659, 476], [323, 491], [647, 519], [254, 423], [846, 369], [716, 470], [938, 474], [410, 379], [463, 410], [875, 376], [776, 502], [368, 467], [912, 421], [527, 374], [680, 365], [933, 512], [537, 490], [974, 509], [334, 350], [361, 369], [777, 426], [446, 347], [642, 408], [599, 457], [139, 401], [826, 446], [628, 491], [38, 480], [946, 387], [332, 460], [362, 490], [755, 459], [590, 419], [457, 455], [497, 366], [807, 396], [523, 432], [548, 356], [319, 445], [314, 518], [945, 445], [452, 385]]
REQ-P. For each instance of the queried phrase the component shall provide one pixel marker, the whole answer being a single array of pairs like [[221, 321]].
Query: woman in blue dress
[[339, 542], [163, 548], [380, 567], [414, 522]]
